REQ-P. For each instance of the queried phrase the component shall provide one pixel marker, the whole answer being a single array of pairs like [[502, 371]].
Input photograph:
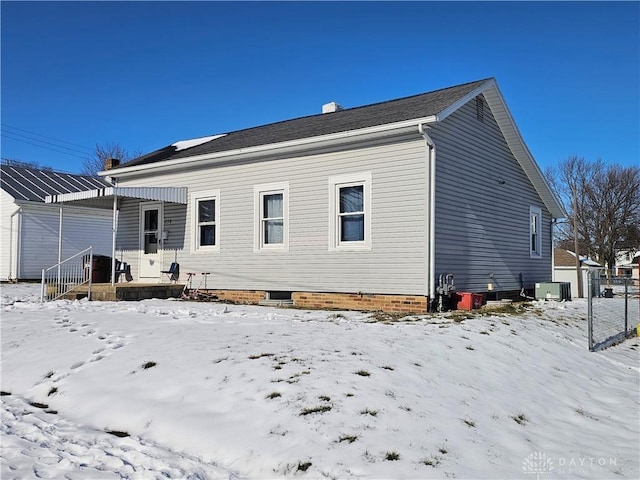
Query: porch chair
[[122, 268], [173, 273]]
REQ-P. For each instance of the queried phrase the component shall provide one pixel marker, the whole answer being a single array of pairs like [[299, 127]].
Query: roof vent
[[479, 108], [331, 107]]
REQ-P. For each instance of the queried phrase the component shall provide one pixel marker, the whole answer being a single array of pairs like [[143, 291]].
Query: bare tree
[[96, 162], [603, 201]]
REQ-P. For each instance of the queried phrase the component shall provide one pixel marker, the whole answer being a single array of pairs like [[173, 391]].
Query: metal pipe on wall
[[431, 212]]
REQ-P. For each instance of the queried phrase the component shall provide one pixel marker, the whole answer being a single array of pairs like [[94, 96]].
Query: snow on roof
[[585, 260], [589, 262], [194, 142]]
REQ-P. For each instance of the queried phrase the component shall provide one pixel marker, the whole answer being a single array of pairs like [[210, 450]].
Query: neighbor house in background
[[362, 207], [30, 228], [627, 264], [564, 269]]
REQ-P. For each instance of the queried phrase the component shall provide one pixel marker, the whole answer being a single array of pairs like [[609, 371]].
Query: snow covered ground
[[207, 390]]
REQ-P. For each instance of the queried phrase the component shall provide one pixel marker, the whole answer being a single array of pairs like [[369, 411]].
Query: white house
[[31, 229], [366, 207], [627, 264]]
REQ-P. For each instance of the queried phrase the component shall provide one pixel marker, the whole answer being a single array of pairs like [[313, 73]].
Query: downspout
[[554, 222], [431, 215], [15, 261], [60, 242]]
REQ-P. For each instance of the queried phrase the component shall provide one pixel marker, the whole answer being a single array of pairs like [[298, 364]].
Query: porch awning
[[103, 197]]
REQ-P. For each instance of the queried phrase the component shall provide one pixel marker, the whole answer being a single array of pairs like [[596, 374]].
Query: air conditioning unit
[[553, 291]]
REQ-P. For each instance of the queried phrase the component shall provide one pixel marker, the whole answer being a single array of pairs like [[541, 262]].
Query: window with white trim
[[535, 232], [205, 221], [350, 212], [271, 204]]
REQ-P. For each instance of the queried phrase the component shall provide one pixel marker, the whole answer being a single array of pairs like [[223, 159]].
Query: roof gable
[[33, 185]]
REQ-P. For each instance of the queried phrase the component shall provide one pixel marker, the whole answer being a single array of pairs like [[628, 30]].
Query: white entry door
[[150, 240]]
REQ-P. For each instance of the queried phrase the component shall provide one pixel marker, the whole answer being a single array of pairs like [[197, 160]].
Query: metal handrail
[[67, 276]]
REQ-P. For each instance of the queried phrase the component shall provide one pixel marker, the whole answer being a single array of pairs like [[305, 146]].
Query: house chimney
[[331, 107], [111, 163]]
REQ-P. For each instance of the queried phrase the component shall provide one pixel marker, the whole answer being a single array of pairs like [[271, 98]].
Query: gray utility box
[[553, 291]]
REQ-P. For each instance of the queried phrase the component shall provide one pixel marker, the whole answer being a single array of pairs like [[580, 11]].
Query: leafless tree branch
[[604, 201]]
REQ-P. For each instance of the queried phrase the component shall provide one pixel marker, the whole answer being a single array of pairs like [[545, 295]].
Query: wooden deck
[[127, 291]]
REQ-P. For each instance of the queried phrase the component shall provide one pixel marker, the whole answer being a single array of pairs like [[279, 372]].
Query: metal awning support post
[[60, 243], [114, 229]]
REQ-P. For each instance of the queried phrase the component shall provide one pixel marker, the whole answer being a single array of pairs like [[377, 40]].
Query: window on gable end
[[535, 232]]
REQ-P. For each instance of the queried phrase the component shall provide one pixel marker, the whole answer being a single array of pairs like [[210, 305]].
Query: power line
[[6, 125], [44, 141], [6, 135]]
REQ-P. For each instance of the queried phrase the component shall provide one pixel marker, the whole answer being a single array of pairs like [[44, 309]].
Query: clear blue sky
[[146, 74]]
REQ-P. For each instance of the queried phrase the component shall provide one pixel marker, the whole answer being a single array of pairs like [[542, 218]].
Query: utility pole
[[574, 192]]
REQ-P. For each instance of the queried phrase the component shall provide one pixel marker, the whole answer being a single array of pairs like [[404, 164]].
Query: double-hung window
[[205, 223], [350, 212], [271, 204], [535, 237]]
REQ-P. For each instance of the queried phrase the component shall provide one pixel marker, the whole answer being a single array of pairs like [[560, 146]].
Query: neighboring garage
[[30, 229]]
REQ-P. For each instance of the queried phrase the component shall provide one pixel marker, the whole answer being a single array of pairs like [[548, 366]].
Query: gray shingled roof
[[392, 111], [30, 184]]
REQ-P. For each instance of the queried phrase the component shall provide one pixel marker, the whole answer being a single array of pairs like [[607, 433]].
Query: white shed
[[564, 269], [31, 229]]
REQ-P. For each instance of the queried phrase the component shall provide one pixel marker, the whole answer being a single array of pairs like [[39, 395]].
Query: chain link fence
[[613, 309]]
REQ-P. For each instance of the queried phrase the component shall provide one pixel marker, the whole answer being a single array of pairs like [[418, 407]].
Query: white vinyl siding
[[205, 221], [482, 208], [10, 222], [394, 264]]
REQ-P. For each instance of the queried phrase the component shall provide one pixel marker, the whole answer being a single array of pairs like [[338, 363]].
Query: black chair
[[122, 268], [173, 273]]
